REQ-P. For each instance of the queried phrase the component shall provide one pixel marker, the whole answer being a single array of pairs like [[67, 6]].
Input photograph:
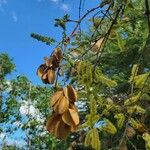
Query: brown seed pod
[[61, 130], [65, 118], [41, 70], [44, 78], [58, 53], [71, 117], [55, 62], [71, 94], [56, 96], [97, 46], [48, 61], [52, 121], [61, 106], [51, 76]]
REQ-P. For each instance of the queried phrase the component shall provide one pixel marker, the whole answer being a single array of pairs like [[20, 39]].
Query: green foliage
[[120, 120], [99, 77], [113, 81], [93, 117], [132, 99], [92, 138], [6, 65], [109, 127], [43, 39], [62, 22], [146, 137], [85, 75], [112, 77]]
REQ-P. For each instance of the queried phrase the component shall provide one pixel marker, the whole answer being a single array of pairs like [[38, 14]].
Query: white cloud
[[18, 142], [64, 7], [9, 88], [17, 123], [14, 17], [2, 135], [24, 109], [34, 112]]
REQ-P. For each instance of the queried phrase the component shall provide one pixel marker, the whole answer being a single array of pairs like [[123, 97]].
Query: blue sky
[[19, 18]]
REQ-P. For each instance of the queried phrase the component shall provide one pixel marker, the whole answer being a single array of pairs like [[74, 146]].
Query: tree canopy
[[100, 76]]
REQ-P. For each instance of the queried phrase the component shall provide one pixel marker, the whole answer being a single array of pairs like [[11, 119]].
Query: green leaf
[[92, 138], [44, 39], [120, 120], [134, 72], [109, 127], [146, 137], [132, 99]]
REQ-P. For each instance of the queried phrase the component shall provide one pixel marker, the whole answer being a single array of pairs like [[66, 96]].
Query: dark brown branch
[[148, 14], [106, 37], [80, 16], [84, 16]]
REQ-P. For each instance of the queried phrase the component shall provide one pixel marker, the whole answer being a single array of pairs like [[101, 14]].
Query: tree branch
[[148, 14]]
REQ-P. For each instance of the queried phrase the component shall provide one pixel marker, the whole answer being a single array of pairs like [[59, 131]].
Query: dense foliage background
[[108, 65]]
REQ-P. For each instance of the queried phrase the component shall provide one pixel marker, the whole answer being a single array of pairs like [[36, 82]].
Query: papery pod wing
[[65, 92], [52, 121], [61, 130], [58, 53], [48, 62], [72, 95], [41, 70], [45, 78], [98, 45], [61, 106], [56, 96], [71, 117], [146, 137], [55, 62], [74, 128], [72, 106], [51, 76]]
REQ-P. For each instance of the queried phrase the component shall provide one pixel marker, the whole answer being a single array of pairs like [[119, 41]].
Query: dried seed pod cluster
[[47, 70], [65, 118]]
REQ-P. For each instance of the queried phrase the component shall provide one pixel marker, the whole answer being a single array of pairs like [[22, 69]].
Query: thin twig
[[106, 38], [29, 103], [148, 14], [83, 17]]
